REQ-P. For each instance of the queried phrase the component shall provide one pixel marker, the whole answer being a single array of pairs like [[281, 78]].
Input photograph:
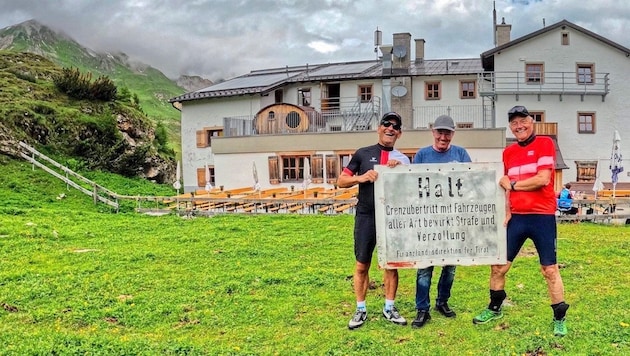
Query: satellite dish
[[399, 51], [399, 91]]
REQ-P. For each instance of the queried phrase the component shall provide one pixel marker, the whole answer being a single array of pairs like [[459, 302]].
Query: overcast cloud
[[219, 39]]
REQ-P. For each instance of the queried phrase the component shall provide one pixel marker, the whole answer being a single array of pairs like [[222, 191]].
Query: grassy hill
[[152, 87], [102, 135]]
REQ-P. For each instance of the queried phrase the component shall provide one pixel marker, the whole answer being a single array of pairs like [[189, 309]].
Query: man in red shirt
[[529, 184]]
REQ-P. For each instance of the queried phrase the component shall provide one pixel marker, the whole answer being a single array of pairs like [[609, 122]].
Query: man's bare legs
[[361, 280], [554, 283]]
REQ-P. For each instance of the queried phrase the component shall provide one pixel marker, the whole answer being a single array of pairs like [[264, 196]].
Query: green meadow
[[78, 279]]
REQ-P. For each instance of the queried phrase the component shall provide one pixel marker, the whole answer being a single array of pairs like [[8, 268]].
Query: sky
[[221, 39]]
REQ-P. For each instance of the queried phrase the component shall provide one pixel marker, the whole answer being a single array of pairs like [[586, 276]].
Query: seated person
[[565, 200]]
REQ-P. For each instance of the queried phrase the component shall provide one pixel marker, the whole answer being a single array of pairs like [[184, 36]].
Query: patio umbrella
[[597, 186], [307, 175], [616, 161], [208, 185], [178, 176], [255, 174]]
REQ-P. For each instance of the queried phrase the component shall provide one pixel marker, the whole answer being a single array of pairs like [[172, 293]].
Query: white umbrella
[[616, 161], [307, 175], [255, 174], [178, 176], [597, 186], [208, 185]]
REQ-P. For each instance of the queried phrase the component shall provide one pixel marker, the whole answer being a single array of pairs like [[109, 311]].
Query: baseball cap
[[392, 116], [444, 122], [518, 110]]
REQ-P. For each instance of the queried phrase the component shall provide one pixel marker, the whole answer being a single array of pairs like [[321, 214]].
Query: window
[[538, 116], [586, 122], [467, 89], [564, 39], [201, 176], [335, 165], [432, 91], [279, 96], [534, 73], [586, 171], [293, 168], [585, 73], [365, 93], [204, 137], [304, 96]]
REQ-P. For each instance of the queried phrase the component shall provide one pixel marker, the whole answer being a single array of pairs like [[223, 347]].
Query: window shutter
[[202, 138], [274, 170], [332, 169], [317, 169], [201, 177]]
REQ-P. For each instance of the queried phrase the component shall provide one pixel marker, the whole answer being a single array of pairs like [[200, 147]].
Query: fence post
[[95, 195]]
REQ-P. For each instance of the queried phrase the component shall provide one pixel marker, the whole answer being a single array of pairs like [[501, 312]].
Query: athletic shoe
[[486, 316], [393, 316], [445, 310], [559, 327], [359, 317], [421, 319]]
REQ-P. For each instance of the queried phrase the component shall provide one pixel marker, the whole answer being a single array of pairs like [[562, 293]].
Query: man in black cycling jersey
[[360, 171]]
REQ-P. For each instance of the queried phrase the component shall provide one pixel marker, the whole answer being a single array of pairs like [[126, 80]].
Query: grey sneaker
[[358, 319], [393, 316]]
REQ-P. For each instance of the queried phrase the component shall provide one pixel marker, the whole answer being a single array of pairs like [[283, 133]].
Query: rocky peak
[[193, 82]]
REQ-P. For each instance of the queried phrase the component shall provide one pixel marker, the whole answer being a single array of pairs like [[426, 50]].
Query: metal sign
[[440, 214]]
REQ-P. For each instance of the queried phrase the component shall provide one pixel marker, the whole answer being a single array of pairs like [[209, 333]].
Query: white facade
[[606, 100], [611, 112]]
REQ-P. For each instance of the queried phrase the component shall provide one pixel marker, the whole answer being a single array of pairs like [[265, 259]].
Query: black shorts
[[364, 236], [541, 229]]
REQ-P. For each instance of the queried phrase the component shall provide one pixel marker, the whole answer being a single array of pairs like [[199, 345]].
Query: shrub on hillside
[[103, 89], [80, 86]]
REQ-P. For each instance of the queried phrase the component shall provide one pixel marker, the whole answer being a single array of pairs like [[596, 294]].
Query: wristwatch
[[512, 183]]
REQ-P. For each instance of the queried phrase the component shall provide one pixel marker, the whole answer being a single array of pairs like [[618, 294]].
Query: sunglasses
[[389, 123], [521, 110]]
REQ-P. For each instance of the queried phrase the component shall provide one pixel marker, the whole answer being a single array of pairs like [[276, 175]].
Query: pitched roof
[[265, 80], [487, 58]]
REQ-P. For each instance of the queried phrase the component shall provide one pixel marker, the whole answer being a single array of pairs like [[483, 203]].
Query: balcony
[[546, 128], [492, 84], [335, 114]]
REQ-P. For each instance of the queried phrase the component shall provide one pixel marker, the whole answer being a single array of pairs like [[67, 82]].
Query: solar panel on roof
[[342, 69], [248, 82]]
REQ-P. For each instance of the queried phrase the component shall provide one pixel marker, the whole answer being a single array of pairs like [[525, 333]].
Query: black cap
[[519, 111], [392, 116]]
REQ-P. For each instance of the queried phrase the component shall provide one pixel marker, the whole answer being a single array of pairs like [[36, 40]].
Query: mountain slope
[[151, 86], [92, 134]]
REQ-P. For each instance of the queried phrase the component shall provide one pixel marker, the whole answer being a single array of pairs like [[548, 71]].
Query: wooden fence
[[244, 200]]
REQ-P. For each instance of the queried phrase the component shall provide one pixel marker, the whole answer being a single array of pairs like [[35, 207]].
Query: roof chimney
[[503, 32], [401, 53], [420, 49], [386, 50]]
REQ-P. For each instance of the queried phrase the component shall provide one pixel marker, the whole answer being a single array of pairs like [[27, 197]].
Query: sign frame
[[440, 214]]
